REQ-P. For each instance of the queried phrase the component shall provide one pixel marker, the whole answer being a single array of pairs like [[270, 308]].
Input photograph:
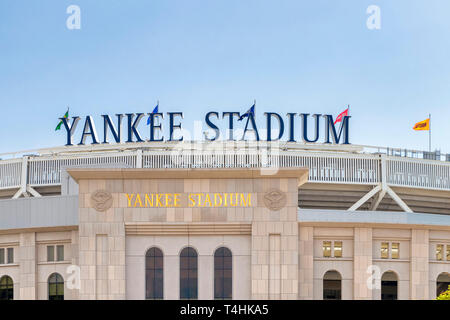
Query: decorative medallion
[[101, 200], [275, 199]]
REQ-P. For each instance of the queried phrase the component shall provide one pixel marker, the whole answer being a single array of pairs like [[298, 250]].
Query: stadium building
[[219, 221]]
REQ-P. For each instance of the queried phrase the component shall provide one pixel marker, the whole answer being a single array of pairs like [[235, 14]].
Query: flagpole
[[157, 104], [429, 132]]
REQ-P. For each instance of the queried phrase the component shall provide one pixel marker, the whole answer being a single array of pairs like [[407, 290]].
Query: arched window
[[223, 268], [55, 287], [442, 283], [6, 288], [188, 274], [332, 285], [389, 286], [154, 274]]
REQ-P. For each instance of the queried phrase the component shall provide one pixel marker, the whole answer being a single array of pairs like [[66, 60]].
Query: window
[[55, 287], [338, 249], [439, 251], [332, 249], [6, 288], [332, 285], [384, 250], [448, 252], [6, 255], [10, 255], [326, 249], [60, 253], [390, 250], [188, 274], [395, 250], [154, 273], [50, 253], [223, 267]]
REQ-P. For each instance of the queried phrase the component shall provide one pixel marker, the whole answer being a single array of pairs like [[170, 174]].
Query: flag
[[249, 111], [155, 110], [66, 115], [422, 125], [341, 116]]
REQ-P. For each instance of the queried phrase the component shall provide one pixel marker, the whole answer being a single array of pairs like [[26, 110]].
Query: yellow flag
[[422, 125]]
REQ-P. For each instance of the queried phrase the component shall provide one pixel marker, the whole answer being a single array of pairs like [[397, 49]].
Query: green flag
[[66, 115]]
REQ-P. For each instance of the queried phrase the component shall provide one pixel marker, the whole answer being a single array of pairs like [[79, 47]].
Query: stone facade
[[275, 255], [274, 232]]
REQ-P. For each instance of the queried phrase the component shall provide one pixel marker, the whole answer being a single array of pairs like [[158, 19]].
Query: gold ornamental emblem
[[275, 199], [101, 200]]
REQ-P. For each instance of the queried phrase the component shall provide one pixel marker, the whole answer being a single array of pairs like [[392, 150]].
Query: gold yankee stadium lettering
[[201, 199]]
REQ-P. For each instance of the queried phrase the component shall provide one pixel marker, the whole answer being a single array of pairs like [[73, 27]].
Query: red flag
[[341, 115]]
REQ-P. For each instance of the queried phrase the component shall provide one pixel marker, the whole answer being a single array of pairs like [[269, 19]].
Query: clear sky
[[200, 55]]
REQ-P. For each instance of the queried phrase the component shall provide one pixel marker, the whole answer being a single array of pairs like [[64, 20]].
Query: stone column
[[205, 284], [73, 294], [275, 239], [27, 266], [101, 241], [419, 266], [306, 263], [362, 259]]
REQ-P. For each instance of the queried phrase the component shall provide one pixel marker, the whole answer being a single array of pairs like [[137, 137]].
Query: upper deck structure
[[340, 176]]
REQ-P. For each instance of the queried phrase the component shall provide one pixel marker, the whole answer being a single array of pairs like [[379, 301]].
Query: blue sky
[[195, 56]]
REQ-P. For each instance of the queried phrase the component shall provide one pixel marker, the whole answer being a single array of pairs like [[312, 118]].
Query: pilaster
[[419, 266], [27, 266], [362, 259]]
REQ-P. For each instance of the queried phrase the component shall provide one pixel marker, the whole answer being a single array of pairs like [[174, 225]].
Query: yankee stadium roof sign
[[286, 128]]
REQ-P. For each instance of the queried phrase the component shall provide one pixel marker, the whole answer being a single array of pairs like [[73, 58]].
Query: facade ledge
[[42, 263], [9, 265], [391, 260], [367, 218], [333, 259]]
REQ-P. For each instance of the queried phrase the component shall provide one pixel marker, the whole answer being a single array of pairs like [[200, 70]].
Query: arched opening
[[55, 287], [223, 269], [442, 283], [6, 288], [188, 274], [154, 274], [332, 285], [389, 286]]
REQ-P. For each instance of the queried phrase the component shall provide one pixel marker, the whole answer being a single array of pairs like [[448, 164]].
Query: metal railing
[[408, 153], [335, 168], [324, 167], [427, 174], [10, 173], [47, 170]]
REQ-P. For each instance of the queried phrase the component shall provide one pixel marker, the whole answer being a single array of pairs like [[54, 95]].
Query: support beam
[[25, 190], [24, 176], [397, 199], [18, 193], [366, 197], [139, 161], [33, 192], [23, 179], [383, 187], [380, 197]]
